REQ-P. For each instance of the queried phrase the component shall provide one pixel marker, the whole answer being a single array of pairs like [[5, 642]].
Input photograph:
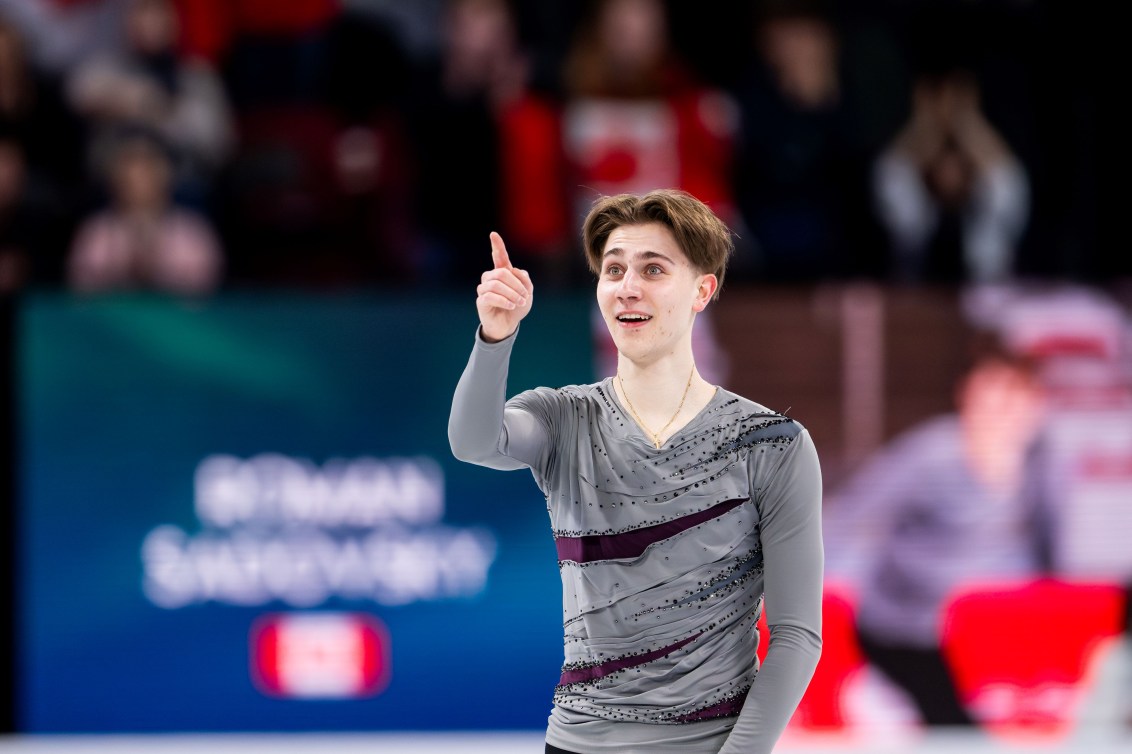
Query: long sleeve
[[793, 561], [200, 120], [861, 515], [1000, 210], [482, 429], [904, 205]]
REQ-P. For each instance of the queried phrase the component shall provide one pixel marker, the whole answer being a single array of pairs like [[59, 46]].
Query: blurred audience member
[[798, 180], [368, 76], [634, 118], [319, 193], [947, 503], [371, 229], [950, 193], [143, 241], [146, 84], [481, 70], [271, 52]]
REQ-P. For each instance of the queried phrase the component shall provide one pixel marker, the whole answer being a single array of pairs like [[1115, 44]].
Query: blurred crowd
[[190, 145]]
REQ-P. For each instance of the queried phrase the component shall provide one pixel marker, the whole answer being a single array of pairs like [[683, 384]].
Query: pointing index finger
[[499, 252]]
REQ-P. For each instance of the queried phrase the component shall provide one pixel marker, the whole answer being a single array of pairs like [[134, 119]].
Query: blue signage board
[[242, 514]]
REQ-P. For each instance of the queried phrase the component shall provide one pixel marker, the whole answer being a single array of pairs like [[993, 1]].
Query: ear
[[706, 289]]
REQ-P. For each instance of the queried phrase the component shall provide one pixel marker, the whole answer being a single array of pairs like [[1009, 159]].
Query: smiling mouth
[[631, 319]]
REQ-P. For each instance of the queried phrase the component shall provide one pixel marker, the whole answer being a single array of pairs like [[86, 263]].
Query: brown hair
[[702, 236], [985, 346]]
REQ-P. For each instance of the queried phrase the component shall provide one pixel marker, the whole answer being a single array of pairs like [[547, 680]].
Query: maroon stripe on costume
[[631, 544], [726, 708], [593, 672]]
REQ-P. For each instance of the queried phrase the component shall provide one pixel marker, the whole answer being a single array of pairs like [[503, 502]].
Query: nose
[[630, 287]]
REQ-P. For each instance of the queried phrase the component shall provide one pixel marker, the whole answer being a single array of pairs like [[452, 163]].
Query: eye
[[613, 269], [654, 269]]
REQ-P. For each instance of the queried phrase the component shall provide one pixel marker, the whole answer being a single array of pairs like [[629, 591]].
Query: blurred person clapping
[[144, 241], [949, 191]]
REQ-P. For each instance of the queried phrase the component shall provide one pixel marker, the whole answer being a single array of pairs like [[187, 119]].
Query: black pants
[[555, 750], [924, 674]]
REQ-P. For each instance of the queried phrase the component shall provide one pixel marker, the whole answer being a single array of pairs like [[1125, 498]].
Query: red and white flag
[[320, 655]]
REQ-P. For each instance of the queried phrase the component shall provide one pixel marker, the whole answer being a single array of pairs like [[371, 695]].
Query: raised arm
[[793, 561], [481, 429], [504, 295]]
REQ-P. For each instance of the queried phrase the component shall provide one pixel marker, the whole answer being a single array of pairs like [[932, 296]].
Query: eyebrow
[[617, 251]]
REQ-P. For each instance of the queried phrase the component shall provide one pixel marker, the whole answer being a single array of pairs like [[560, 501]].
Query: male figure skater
[[675, 504]]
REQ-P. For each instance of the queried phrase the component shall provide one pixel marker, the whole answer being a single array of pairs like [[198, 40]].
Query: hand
[[504, 295], [926, 130]]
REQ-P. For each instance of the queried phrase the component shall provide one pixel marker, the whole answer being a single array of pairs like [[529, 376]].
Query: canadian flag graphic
[[320, 655]]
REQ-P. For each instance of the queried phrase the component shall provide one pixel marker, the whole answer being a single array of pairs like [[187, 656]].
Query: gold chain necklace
[[633, 411]]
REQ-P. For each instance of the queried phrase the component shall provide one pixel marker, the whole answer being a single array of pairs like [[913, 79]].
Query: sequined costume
[[665, 556]]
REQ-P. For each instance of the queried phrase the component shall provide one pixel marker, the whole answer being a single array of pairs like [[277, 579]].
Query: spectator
[[146, 84], [143, 241], [634, 118], [271, 52], [799, 175], [480, 72], [949, 502], [951, 195], [319, 193], [630, 98]]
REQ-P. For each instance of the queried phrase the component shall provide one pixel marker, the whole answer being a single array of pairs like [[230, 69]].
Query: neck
[[995, 454], [662, 395], [658, 377], [143, 210]]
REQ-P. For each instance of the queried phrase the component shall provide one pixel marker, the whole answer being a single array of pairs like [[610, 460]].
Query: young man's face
[[997, 394], [649, 292]]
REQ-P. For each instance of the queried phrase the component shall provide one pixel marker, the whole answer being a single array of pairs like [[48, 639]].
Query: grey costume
[[665, 556]]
